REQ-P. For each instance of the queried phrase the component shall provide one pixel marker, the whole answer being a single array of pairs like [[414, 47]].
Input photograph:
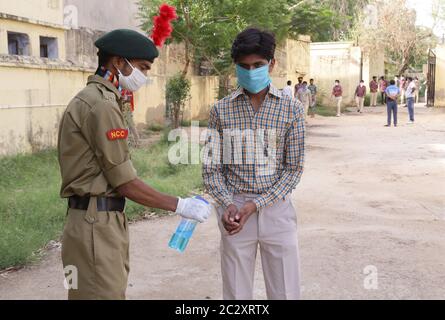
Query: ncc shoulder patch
[[116, 134]]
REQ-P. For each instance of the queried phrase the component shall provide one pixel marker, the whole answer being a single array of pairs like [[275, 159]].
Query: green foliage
[[32, 213], [177, 93], [210, 26], [315, 19]]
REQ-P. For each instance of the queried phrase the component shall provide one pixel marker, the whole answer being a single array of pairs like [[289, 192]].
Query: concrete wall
[[103, 15], [332, 61], [293, 61], [373, 65], [35, 91], [34, 31], [440, 77], [34, 97], [44, 11]]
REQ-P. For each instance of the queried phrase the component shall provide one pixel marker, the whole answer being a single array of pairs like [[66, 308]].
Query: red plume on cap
[[162, 27]]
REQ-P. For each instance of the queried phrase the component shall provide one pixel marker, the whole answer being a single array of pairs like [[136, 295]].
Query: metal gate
[[431, 79]]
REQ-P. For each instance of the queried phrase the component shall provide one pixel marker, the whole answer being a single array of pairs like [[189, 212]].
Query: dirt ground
[[370, 196]]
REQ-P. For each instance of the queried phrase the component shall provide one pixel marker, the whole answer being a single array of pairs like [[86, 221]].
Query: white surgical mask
[[134, 81]]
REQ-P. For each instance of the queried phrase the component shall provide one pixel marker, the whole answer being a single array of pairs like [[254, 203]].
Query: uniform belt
[[103, 203]]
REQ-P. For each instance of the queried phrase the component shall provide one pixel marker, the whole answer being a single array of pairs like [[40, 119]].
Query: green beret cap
[[128, 44]]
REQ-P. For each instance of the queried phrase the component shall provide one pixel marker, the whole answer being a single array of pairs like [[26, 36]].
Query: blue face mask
[[253, 80]]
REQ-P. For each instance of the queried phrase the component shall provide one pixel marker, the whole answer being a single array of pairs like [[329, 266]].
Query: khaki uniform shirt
[[93, 152]]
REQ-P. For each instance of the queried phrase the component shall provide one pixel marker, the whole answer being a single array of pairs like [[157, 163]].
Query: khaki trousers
[[373, 99], [99, 251], [360, 103], [274, 230], [338, 100]]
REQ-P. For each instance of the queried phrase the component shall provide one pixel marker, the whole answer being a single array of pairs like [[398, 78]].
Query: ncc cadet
[[97, 173]]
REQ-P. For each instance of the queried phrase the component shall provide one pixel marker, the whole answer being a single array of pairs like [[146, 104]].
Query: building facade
[[346, 62], [47, 53]]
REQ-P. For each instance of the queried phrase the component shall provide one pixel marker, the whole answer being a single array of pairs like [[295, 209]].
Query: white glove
[[192, 208]]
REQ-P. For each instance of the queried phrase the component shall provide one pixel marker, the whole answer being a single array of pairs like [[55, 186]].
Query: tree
[[315, 19], [207, 28], [177, 93], [396, 34]]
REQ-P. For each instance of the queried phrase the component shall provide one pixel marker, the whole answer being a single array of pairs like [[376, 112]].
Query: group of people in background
[[306, 94], [404, 88], [407, 89]]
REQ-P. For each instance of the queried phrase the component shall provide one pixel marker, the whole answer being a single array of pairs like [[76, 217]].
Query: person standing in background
[[127, 111], [298, 86], [360, 93], [410, 94], [402, 86], [374, 88], [383, 85], [416, 94], [392, 96], [313, 89], [287, 90], [337, 94], [305, 97]]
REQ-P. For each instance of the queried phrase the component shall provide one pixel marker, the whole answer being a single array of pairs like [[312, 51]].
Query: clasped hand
[[234, 219]]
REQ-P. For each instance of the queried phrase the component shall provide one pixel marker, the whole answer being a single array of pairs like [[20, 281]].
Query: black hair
[[409, 79], [374, 77], [304, 82], [337, 81], [362, 81], [311, 79], [103, 58], [289, 83], [392, 82], [254, 41]]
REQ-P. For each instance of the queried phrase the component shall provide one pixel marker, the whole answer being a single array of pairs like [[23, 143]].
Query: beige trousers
[[338, 100], [373, 99], [99, 251], [274, 230], [360, 103]]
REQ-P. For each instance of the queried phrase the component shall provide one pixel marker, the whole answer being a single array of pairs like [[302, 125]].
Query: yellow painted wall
[[32, 102], [34, 31], [34, 93], [332, 61], [440, 77]]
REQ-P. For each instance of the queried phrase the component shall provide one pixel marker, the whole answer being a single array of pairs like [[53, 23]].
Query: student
[[298, 86], [253, 200], [374, 88], [305, 97], [360, 94], [383, 84], [410, 95], [313, 88], [288, 91], [337, 94], [392, 96]]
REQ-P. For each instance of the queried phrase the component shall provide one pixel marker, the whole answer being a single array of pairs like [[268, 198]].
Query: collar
[[109, 77], [107, 84], [272, 91]]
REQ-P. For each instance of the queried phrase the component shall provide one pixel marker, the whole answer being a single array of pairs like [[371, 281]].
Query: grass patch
[[328, 111], [32, 213], [188, 123]]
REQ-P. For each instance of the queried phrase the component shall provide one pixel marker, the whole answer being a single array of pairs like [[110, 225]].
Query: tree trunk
[[176, 111]]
